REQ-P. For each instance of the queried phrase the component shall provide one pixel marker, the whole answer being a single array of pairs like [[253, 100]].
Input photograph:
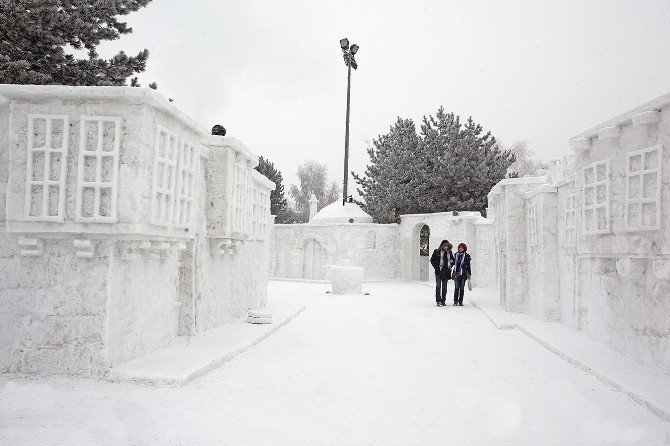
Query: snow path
[[389, 368]]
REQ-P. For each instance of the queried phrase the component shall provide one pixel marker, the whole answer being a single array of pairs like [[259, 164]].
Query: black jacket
[[445, 273], [466, 265]]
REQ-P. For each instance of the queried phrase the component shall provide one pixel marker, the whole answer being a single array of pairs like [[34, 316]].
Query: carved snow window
[[499, 217], [531, 224], [186, 173], [260, 213], [249, 206], [239, 197], [164, 178], [97, 173], [457, 234], [264, 213], [46, 167], [483, 238], [570, 222], [371, 240], [596, 211], [256, 212], [643, 189]]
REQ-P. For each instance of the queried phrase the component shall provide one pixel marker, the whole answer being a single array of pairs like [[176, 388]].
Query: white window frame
[[641, 200], [570, 215], [163, 195], [98, 184], [457, 234], [531, 224], [169, 199], [249, 204], [46, 183], [595, 206], [187, 171], [499, 217], [239, 196], [483, 238], [256, 229], [263, 213]]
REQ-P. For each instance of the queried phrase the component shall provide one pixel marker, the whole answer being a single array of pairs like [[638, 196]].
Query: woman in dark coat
[[442, 261], [462, 272]]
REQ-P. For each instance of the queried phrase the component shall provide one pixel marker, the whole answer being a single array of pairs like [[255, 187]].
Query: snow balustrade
[[126, 226], [587, 243]]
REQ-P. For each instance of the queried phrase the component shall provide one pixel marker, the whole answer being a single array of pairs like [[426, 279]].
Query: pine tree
[[34, 35], [387, 186], [278, 204], [449, 166]]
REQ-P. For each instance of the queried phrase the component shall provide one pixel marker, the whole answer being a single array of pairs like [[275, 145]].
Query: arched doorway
[[419, 252], [424, 253], [312, 258]]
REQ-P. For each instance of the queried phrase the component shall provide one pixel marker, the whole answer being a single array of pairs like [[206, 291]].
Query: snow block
[[346, 279]]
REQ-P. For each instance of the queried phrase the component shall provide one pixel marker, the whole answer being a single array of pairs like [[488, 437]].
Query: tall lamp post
[[348, 53]]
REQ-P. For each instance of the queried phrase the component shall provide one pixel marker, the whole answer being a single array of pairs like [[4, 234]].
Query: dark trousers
[[440, 288], [459, 290]]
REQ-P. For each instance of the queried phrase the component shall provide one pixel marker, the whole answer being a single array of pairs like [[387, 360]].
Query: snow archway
[[313, 252], [420, 252]]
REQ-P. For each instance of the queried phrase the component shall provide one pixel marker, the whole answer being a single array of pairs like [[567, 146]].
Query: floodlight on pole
[[348, 53]]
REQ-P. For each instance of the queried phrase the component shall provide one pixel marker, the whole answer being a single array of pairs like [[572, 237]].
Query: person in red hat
[[461, 273]]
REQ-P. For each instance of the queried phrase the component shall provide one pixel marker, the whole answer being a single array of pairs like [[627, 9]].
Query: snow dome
[[338, 213]]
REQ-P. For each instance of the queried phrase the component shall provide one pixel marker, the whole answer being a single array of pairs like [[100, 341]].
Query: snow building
[[587, 244], [123, 226], [386, 251]]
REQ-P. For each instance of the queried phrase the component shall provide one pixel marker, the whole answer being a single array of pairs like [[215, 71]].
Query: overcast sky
[[272, 71]]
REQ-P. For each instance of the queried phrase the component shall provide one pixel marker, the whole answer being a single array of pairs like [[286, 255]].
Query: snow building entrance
[[424, 253], [312, 257]]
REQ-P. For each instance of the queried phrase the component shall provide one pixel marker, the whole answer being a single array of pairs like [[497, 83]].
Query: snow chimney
[[313, 202]]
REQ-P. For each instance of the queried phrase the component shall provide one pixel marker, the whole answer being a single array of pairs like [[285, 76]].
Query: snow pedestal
[[346, 279], [258, 315]]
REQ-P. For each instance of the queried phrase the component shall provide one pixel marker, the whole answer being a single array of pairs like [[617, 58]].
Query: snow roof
[[625, 118], [338, 213], [132, 95]]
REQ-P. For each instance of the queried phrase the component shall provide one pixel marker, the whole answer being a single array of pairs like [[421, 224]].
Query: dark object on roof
[[218, 130]]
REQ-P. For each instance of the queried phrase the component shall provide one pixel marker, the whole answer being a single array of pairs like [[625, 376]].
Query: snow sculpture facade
[[126, 226], [384, 251], [337, 232], [589, 244]]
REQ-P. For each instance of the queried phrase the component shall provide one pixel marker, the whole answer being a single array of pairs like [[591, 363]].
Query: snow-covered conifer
[[36, 34], [278, 204], [448, 166]]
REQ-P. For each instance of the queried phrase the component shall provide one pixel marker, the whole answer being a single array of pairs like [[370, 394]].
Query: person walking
[[461, 273], [442, 261]]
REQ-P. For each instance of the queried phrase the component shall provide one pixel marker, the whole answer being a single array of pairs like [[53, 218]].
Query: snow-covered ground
[[388, 368]]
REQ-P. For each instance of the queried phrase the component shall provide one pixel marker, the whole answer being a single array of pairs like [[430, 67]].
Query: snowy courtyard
[[221, 223], [386, 368]]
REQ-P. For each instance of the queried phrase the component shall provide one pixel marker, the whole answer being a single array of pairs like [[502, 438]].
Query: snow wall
[[385, 251], [126, 226], [588, 243]]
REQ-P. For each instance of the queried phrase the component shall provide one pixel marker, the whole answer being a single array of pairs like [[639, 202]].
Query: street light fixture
[[350, 62]]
